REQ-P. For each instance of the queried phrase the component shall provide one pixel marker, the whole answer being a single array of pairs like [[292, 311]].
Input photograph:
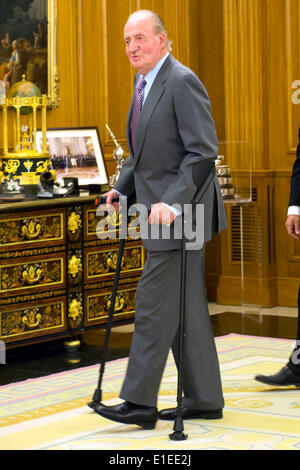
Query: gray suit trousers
[[156, 331]]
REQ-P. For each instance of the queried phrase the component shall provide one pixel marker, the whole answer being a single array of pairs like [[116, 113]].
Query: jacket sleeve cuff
[[172, 209], [294, 210]]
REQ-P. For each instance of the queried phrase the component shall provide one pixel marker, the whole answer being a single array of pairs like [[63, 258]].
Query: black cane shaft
[[111, 310], [181, 334], [181, 326], [178, 428]]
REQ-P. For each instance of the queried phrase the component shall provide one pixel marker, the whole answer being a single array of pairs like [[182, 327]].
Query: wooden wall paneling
[[91, 64], [247, 74], [175, 15], [277, 111], [284, 118], [66, 115], [119, 76], [207, 56], [292, 95], [259, 259], [243, 83], [230, 77]]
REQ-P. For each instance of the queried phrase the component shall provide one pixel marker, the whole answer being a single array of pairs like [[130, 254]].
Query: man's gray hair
[[158, 25]]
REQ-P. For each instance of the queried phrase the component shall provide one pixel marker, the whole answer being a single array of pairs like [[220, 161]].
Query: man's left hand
[[293, 226], [161, 215]]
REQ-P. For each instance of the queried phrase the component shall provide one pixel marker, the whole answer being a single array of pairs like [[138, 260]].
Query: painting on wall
[[28, 45]]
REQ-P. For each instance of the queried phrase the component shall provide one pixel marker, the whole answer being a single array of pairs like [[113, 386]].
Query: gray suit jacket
[[175, 132]]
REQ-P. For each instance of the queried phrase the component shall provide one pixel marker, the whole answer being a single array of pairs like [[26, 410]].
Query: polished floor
[[51, 358]]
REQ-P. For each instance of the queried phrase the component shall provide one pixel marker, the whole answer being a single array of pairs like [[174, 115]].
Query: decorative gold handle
[[31, 319], [32, 230], [119, 303], [32, 275]]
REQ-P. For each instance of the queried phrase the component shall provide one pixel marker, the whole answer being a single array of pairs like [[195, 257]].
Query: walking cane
[[97, 398], [200, 173], [178, 434]]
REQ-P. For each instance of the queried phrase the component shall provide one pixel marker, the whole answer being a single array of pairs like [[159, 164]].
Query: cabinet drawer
[[91, 221], [32, 229], [106, 227], [98, 304], [32, 319], [32, 275], [101, 262]]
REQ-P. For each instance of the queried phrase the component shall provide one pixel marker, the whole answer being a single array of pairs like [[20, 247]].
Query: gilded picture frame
[[28, 46], [53, 78]]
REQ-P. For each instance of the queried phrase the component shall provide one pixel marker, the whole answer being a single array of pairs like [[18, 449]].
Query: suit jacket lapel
[[151, 102]]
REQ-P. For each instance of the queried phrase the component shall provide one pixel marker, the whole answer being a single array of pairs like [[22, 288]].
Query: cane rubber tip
[[178, 436]]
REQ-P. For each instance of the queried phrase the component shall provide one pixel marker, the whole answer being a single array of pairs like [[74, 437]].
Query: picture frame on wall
[[76, 153], [28, 46]]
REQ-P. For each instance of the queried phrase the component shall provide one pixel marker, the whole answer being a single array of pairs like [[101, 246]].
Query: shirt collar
[[151, 76]]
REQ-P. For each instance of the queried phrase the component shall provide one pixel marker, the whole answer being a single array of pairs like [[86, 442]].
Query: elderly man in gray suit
[[173, 147]]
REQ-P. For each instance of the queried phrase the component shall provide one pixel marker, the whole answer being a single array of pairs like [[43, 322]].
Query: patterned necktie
[[137, 106]]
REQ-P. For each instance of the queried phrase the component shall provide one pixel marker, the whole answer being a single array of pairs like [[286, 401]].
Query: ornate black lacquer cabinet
[[56, 274]]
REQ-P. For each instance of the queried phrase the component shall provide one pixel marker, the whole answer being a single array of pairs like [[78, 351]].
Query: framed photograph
[[28, 45], [76, 153]]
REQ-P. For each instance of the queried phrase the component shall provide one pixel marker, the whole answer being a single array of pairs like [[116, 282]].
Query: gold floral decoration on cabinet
[[75, 313], [75, 266], [74, 224]]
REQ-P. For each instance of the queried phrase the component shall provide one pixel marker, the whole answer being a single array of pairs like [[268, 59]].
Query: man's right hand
[[110, 195], [293, 226]]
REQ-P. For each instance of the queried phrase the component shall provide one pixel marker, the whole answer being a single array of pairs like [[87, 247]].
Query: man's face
[[144, 48]]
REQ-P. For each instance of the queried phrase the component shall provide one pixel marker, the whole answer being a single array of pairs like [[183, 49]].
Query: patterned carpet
[[51, 413]]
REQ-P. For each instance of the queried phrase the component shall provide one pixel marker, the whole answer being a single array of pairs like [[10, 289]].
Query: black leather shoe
[[92, 405], [187, 413], [283, 378], [128, 413]]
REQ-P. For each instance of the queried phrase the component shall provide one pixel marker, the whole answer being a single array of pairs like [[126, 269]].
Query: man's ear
[[163, 39]]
